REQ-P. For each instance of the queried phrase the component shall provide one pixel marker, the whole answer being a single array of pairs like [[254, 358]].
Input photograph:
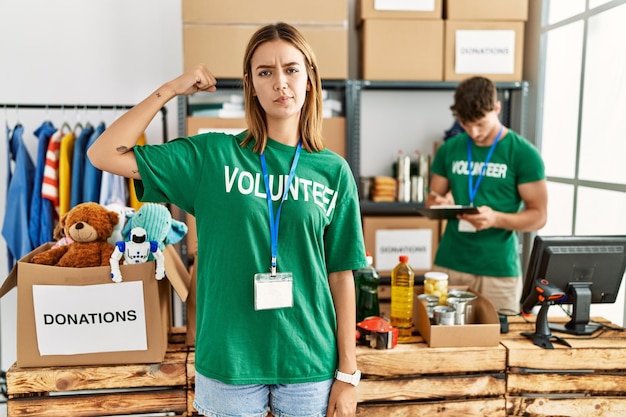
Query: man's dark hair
[[473, 99]]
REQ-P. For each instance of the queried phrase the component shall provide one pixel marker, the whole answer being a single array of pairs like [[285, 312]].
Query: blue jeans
[[217, 399]]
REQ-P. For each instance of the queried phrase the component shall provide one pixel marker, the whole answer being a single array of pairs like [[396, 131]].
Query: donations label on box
[[92, 318], [415, 243], [485, 52]]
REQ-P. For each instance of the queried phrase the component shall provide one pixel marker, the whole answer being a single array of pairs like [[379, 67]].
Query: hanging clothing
[[8, 154], [40, 219], [50, 185], [18, 197], [78, 165], [113, 189], [62, 178], [66, 156], [92, 176]]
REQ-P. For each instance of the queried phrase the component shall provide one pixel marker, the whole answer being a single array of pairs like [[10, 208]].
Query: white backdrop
[[80, 52]]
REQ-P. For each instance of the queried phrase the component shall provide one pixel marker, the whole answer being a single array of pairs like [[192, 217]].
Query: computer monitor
[[587, 269]]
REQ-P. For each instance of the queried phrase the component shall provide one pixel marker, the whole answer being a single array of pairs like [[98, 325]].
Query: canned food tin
[[460, 307], [466, 295], [464, 302], [444, 315], [430, 301]]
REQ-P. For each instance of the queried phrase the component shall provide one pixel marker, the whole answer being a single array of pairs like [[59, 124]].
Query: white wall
[[80, 52]]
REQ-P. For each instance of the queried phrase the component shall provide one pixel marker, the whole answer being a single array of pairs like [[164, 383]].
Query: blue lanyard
[[474, 189], [274, 220]]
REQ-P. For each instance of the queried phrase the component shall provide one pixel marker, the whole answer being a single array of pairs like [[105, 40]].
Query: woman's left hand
[[342, 400]]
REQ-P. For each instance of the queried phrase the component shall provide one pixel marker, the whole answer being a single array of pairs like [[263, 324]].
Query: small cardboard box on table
[[484, 331], [78, 316]]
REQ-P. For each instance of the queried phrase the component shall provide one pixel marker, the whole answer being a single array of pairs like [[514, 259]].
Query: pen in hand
[[440, 199]]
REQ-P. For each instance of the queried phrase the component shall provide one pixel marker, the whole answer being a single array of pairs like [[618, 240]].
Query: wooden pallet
[[588, 379], [414, 379], [102, 390], [191, 382], [452, 408]]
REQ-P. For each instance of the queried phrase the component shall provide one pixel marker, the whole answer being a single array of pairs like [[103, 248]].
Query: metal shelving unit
[[343, 86]]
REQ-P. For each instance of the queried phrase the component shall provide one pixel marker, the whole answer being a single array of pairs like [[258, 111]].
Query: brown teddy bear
[[88, 225]]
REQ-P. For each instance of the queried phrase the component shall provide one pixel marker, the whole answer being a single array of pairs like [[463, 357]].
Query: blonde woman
[[279, 233]]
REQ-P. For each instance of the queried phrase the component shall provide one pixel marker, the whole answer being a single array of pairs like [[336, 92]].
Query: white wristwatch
[[350, 379]]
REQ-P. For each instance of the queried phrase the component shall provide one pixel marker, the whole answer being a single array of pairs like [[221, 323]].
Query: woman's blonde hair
[[310, 127]]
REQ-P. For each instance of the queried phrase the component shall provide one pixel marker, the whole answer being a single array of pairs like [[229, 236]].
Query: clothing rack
[[178, 309], [86, 107]]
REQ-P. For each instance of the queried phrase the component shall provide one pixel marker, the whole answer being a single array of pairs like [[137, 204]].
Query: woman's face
[[279, 79]]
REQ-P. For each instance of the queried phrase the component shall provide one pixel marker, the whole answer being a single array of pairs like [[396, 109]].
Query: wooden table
[[588, 379], [101, 390], [415, 380], [514, 378]]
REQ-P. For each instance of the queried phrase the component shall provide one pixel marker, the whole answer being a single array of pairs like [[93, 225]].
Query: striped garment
[[50, 183]]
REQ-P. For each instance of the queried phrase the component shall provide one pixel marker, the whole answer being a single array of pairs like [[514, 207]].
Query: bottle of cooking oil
[[366, 279], [402, 281]]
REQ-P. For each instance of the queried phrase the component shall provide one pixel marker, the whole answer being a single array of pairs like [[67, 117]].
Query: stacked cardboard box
[[484, 37], [216, 32], [388, 237], [400, 40]]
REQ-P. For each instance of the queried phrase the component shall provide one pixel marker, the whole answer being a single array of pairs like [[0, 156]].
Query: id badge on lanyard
[[275, 289]]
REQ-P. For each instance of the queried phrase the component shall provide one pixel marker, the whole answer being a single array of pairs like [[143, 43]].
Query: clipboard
[[446, 212]]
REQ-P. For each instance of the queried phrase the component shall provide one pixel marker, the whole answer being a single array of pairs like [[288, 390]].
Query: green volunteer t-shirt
[[515, 161], [213, 178]]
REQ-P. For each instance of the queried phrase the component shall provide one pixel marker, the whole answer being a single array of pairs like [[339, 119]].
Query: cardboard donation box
[[494, 49], [330, 43], [486, 10], [398, 9], [420, 43], [217, 32], [271, 11], [78, 316], [483, 331], [389, 237]]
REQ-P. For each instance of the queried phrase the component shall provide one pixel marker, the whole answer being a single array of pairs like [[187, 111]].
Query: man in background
[[494, 169]]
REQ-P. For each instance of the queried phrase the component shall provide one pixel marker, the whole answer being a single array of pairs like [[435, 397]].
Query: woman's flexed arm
[[110, 152]]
